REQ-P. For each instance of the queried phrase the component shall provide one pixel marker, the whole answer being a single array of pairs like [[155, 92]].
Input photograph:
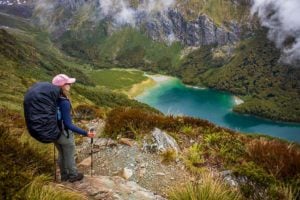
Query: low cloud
[[282, 18], [123, 13]]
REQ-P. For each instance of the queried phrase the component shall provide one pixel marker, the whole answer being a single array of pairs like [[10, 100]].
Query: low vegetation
[[117, 79], [209, 188], [262, 164], [221, 11], [20, 163], [41, 187]]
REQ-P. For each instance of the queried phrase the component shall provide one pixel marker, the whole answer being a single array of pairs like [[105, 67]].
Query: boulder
[[161, 142]]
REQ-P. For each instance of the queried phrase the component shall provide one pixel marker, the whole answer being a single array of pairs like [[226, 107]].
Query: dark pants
[[66, 156]]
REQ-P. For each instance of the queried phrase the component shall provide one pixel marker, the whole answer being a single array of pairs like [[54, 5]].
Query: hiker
[[65, 143]]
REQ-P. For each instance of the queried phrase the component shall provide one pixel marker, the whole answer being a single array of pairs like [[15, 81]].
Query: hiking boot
[[76, 178]]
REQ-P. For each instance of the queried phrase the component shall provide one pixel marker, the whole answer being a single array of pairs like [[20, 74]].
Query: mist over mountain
[[219, 44], [282, 20], [161, 20]]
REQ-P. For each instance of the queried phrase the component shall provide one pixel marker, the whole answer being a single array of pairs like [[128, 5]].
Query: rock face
[[171, 26], [112, 188], [166, 25]]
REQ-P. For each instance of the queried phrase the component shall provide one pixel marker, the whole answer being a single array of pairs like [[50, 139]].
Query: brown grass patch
[[278, 158]]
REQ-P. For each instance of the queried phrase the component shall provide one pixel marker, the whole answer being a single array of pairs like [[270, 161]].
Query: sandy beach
[[159, 78], [152, 80], [139, 88]]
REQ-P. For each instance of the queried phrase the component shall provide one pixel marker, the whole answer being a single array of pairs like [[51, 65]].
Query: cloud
[[123, 13], [282, 18]]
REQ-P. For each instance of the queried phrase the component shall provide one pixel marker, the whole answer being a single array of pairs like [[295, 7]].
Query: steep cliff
[[164, 25]]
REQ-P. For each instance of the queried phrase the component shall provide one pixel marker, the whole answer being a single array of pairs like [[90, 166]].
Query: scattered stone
[[111, 143], [160, 174], [101, 142], [126, 141], [86, 162], [226, 173], [141, 172], [126, 173], [92, 191], [229, 178]]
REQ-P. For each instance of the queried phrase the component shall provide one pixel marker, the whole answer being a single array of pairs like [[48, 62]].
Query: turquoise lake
[[173, 97]]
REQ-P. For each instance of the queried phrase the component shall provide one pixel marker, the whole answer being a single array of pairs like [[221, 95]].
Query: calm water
[[172, 97]]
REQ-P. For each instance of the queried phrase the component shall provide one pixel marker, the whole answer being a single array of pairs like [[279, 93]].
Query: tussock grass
[[209, 188], [41, 188], [19, 163], [168, 156], [280, 159]]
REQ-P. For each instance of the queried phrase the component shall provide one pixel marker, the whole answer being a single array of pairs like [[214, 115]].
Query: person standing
[[66, 143]]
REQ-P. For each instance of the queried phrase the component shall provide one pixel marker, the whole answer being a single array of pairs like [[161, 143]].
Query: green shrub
[[188, 130], [223, 147], [257, 179]]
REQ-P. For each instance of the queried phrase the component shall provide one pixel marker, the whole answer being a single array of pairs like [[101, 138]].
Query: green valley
[[113, 48]]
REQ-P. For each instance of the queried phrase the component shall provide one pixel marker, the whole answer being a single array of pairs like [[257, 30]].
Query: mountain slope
[[269, 88], [27, 55]]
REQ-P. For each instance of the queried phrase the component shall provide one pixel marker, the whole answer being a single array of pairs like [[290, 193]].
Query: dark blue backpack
[[40, 111]]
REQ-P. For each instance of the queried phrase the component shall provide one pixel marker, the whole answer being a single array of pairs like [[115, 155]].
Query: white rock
[[126, 173], [164, 141]]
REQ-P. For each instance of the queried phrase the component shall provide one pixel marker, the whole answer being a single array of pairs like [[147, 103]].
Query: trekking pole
[[54, 162], [92, 141]]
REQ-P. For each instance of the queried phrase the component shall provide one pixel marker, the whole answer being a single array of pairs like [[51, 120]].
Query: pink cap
[[62, 79]]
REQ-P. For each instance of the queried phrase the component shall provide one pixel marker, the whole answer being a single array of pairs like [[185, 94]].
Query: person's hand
[[91, 133]]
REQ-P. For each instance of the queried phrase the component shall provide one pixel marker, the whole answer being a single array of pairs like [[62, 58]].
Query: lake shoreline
[[142, 88], [195, 99], [152, 81]]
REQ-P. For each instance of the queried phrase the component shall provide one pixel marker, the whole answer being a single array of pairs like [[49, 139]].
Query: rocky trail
[[125, 169]]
